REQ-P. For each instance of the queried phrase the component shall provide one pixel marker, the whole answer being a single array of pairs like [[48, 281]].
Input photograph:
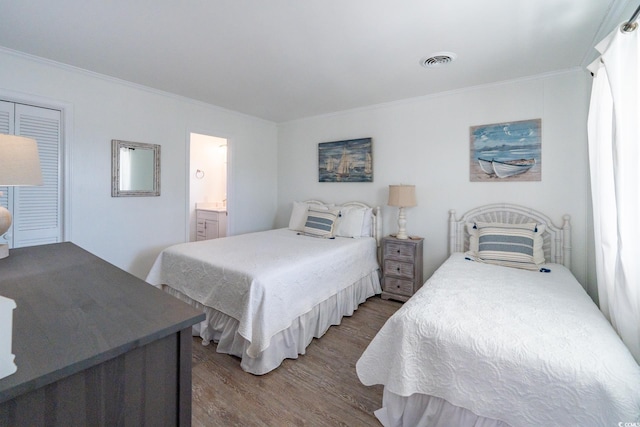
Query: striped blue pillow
[[320, 223], [510, 245]]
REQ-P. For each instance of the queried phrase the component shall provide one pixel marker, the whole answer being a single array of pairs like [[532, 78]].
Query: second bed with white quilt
[[483, 344], [268, 294]]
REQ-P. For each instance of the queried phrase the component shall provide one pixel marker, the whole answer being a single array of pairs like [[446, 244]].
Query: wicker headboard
[[377, 218], [557, 240]]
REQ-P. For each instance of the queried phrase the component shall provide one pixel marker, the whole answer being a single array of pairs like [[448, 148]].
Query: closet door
[[36, 211]]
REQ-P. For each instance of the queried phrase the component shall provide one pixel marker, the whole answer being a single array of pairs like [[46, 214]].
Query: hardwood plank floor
[[320, 388]]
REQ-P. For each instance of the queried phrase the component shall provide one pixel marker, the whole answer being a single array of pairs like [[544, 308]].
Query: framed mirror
[[135, 169]]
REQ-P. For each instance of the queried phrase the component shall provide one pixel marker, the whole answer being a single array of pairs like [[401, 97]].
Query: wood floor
[[319, 388]]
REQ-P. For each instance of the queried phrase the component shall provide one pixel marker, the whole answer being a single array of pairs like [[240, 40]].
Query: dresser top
[[75, 310]]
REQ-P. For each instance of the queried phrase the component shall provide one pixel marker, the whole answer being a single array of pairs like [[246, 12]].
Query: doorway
[[208, 175]]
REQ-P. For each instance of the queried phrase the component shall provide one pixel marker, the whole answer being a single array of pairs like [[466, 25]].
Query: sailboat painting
[[510, 151], [345, 161]]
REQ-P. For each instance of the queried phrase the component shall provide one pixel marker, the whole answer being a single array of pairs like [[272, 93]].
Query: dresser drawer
[[399, 251], [398, 286], [398, 269]]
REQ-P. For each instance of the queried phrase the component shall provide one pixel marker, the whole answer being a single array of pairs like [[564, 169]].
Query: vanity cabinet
[[210, 224]]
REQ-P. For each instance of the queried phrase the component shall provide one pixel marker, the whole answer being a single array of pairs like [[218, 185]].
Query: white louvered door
[[37, 211], [6, 199]]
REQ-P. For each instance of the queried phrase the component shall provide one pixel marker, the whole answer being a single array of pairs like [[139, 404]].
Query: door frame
[[230, 191]]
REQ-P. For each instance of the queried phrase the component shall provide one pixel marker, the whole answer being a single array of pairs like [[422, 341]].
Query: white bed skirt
[[419, 410], [286, 344]]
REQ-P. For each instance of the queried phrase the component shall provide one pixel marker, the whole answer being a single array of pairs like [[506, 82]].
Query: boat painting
[[507, 168], [345, 161], [509, 151]]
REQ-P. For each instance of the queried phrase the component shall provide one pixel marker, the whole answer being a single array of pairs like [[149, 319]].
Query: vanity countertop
[[211, 206]]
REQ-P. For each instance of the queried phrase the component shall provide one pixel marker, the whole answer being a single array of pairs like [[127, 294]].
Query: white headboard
[[557, 240], [377, 218]]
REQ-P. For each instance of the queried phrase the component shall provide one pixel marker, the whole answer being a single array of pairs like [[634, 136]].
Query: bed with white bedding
[[267, 294], [482, 344]]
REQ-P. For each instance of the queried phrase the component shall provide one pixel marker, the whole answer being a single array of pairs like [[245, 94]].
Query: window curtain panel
[[614, 157]]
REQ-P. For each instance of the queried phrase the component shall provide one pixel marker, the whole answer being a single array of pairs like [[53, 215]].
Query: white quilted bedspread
[[265, 279], [524, 347]]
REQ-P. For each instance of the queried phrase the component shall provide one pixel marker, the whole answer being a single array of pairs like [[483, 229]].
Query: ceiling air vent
[[438, 59]]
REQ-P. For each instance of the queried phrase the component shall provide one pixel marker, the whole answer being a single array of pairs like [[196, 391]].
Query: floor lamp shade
[[19, 165], [402, 196]]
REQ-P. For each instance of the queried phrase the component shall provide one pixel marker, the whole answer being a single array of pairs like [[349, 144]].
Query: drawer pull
[[398, 269], [398, 251]]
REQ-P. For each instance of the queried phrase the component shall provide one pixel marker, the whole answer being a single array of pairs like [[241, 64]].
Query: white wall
[[425, 141], [130, 232]]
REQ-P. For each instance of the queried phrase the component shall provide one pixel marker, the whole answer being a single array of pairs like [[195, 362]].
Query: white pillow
[[367, 223], [299, 214], [538, 253], [350, 221]]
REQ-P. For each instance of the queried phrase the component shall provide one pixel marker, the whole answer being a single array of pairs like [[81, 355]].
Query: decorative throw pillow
[[510, 245], [299, 214], [538, 241], [320, 223]]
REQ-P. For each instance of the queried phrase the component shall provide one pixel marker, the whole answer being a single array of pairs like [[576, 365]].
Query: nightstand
[[401, 267]]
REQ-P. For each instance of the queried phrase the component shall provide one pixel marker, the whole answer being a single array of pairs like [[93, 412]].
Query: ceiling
[[287, 59]]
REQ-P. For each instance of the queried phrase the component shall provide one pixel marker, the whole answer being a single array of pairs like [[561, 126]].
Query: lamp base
[[5, 224], [7, 365], [402, 222]]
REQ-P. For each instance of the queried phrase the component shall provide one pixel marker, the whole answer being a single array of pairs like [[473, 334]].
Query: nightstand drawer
[[398, 286], [399, 251], [398, 269]]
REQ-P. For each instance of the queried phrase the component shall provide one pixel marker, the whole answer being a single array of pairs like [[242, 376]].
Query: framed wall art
[[510, 151], [345, 161]]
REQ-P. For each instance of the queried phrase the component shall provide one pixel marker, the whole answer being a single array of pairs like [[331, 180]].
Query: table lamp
[[402, 196], [19, 165]]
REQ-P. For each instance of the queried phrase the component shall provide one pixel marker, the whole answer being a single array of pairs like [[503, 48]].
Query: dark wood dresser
[[93, 344]]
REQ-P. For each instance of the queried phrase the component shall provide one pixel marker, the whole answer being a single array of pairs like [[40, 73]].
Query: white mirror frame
[[116, 146]]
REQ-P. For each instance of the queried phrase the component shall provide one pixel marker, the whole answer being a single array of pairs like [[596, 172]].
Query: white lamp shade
[[402, 195], [19, 161]]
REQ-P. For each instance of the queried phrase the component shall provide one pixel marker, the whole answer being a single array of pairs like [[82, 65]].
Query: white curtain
[[614, 156]]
